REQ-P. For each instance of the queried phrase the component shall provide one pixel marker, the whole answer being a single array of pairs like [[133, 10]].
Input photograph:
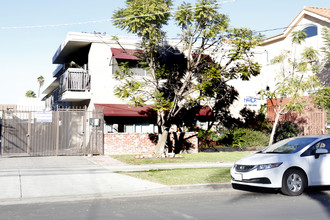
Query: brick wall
[[124, 143]]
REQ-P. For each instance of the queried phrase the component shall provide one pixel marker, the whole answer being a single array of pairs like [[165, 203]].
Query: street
[[225, 204]]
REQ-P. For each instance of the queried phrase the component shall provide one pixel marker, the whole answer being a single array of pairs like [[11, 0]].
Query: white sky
[[26, 52]]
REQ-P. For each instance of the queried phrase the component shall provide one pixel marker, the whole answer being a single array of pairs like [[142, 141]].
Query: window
[[139, 71], [134, 66], [139, 128], [144, 128], [126, 127], [311, 31], [129, 129], [289, 146], [321, 144]]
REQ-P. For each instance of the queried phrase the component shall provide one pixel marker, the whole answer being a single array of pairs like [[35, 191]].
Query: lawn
[[187, 158], [184, 176]]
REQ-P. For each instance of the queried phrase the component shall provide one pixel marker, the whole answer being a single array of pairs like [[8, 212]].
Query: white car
[[290, 165]]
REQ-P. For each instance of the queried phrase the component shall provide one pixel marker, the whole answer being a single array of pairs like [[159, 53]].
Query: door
[[319, 164]]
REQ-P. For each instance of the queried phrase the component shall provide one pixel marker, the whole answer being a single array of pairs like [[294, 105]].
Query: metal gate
[[52, 133]]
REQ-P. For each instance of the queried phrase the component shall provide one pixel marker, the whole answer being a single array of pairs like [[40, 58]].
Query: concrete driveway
[[44, 177]]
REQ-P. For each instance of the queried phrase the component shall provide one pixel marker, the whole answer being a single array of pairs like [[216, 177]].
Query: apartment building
[[86, 63]]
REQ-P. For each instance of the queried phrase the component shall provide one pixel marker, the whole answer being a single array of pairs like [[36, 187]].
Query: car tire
[[294, 182]]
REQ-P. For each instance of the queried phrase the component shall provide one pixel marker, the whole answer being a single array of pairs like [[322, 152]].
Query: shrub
[[285, 130], [244, 137], [255, 139], [205, 138], [226, 138], [238, 137], [255, 121]]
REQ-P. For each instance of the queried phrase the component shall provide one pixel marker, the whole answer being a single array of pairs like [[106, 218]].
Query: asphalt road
[[228, 204]]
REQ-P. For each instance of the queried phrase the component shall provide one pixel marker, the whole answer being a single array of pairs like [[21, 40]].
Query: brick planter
[[126, 143]]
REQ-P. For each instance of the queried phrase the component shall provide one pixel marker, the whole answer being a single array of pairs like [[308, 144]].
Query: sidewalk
[[115, 165], [26, 178]]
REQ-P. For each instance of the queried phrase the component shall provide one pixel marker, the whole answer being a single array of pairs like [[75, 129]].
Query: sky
[[32, 30]]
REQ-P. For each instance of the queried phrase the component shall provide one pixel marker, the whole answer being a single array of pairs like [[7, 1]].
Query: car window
[[289, 146], [321, 144]]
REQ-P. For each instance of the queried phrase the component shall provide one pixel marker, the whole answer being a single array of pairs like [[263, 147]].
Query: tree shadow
[[179, 144]]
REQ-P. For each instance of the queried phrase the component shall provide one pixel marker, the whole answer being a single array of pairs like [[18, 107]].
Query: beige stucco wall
[[264, 54], [100, 67]]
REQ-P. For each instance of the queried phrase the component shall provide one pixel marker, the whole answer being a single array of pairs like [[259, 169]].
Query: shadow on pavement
[[321, 195], [255, 189], [315, 189]]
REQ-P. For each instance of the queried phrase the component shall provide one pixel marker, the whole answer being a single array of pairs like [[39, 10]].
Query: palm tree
[[30, 94], [41, 81]]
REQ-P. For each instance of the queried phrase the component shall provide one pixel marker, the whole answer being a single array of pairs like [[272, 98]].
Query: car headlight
[[268, 166]]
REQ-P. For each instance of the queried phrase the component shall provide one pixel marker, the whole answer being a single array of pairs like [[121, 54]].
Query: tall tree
[[322, 97], [296, 76], [41, 81], [326, 48], [207, 56]]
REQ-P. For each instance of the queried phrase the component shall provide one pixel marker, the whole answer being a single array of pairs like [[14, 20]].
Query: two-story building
[[86, 62]]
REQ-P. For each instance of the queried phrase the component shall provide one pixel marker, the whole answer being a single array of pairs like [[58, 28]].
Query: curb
[[207, 186], [148, 192], [166, 190], [187, 188]]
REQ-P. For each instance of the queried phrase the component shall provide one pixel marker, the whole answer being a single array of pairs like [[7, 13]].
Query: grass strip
[[187, 158], [184, 176]]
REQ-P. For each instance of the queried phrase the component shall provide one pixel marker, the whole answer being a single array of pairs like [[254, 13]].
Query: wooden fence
[[311, 122], [51, 133]]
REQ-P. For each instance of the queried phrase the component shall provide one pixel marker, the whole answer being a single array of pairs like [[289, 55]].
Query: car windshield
[[288, 146]]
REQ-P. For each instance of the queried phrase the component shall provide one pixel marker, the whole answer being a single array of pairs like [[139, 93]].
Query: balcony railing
[[75, 79]]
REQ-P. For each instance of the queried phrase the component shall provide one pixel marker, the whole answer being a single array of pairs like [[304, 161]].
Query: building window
[[139, 71], [108, 128], [144, 128], [129, 129], [311, 31]]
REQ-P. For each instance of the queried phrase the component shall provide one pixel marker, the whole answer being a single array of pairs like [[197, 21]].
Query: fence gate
[[52, 133], [316, 123]]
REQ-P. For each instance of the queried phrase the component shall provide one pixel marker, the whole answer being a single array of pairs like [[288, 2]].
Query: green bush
[[252, 129], [206, 138], [244, 137], [285, 130], [255, 138], [238, 137]]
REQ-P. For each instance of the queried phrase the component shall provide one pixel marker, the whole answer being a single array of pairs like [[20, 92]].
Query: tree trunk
[[277, 117], [159, 148]]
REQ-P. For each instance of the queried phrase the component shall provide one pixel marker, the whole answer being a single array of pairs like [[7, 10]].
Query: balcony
[[75, 85]]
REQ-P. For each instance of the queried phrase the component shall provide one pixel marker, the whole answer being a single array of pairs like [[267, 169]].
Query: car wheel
[[294, 182]]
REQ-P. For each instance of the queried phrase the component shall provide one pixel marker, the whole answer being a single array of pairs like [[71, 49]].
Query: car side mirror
[[320, 151]]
